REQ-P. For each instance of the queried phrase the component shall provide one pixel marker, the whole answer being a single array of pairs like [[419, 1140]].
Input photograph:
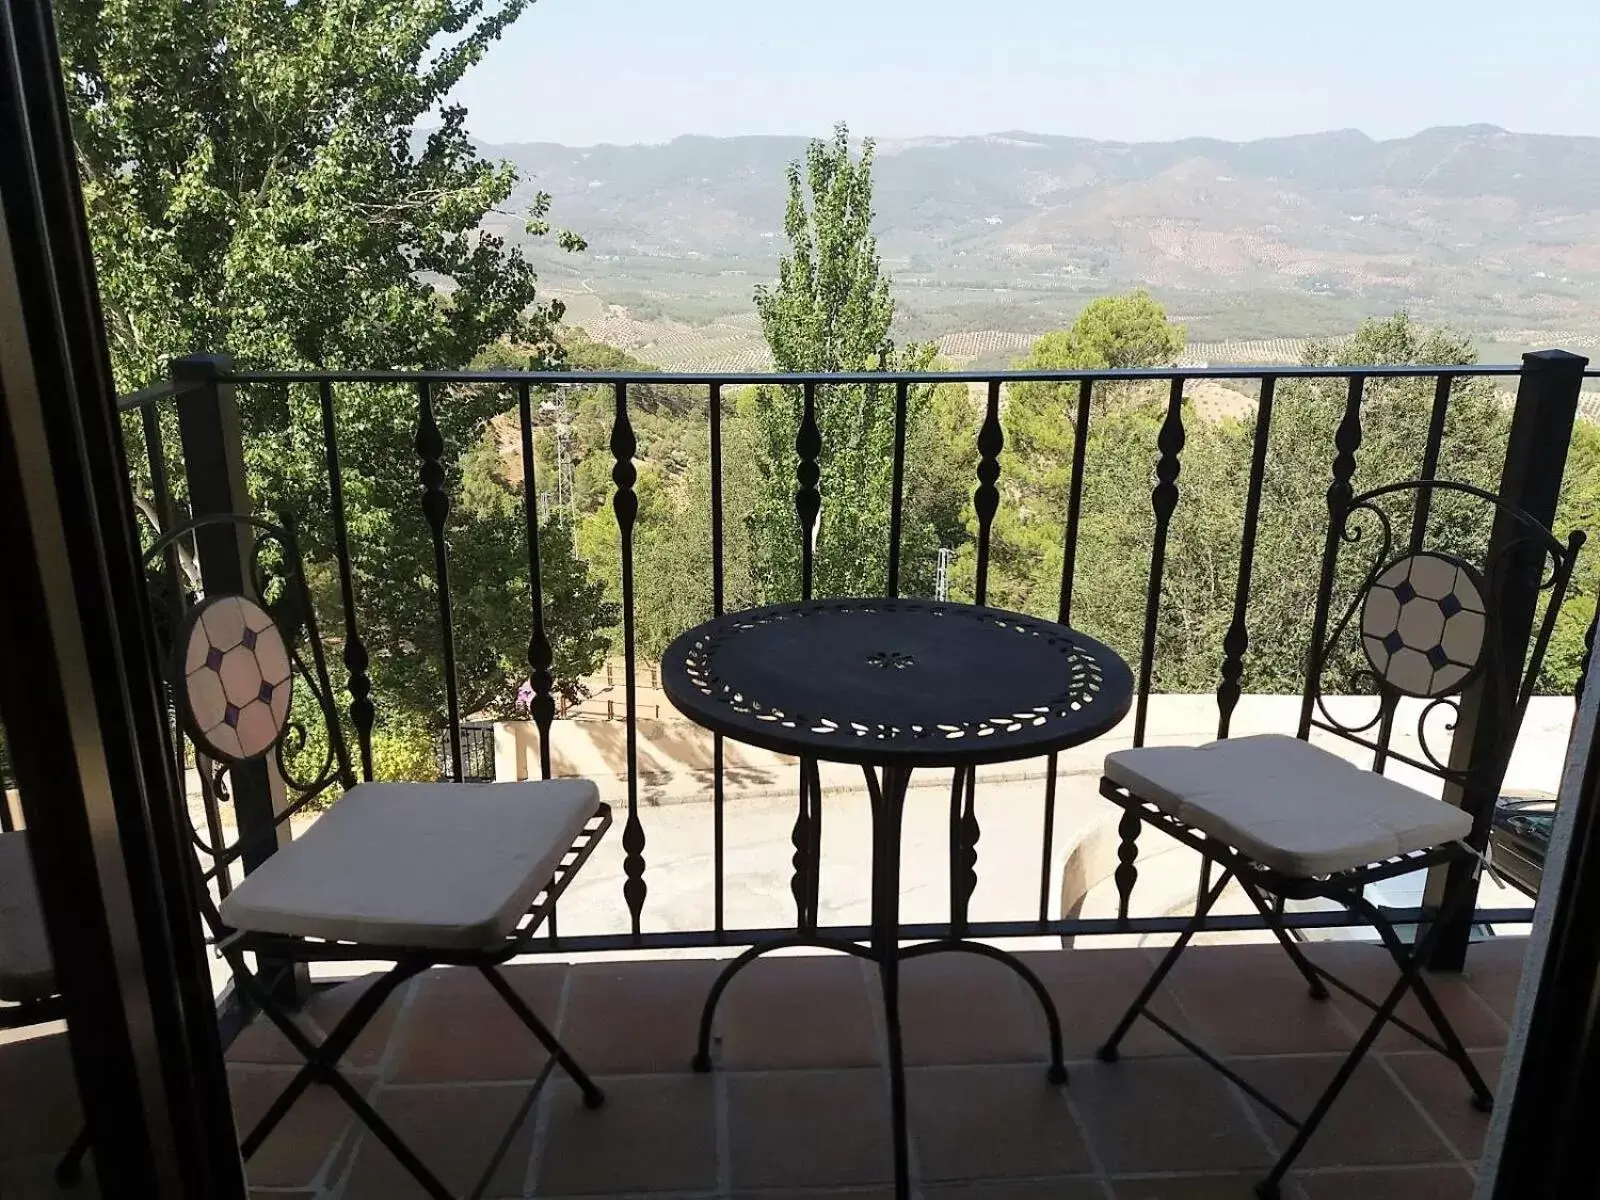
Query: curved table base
[[1057, 1071], [888, 801], [708, 1013]]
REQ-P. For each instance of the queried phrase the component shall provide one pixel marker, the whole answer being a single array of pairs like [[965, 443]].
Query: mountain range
[[1476, 224]]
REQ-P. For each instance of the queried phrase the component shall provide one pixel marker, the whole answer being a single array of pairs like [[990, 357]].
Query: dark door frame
[[1552, 1084], [78, 686]]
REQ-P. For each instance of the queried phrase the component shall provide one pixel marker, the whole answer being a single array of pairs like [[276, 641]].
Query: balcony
[[800, 1105]]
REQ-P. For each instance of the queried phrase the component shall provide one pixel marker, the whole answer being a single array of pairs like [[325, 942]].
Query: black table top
[[914, 683]]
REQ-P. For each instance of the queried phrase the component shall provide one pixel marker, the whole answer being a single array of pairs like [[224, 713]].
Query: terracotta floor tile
[[1494, 972], [1017, 1189], [315, 1130], [991, 1122], [1197, 1187], [1369, 968], [458, 1028], [964, 1008], [1275, 1014], [811, 1011], [454, 1131], [1437, 1084], [630, 1018], [39, 1111], [261, 1042], [1093, 988], [34, 1179], [809, 1129], [1372, 1123], [655, 1133], [1149, 1115], [1422, 1183], [985, 1124]]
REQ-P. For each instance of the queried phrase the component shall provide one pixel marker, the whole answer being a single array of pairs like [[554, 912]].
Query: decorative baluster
[[964, 834], [1163, 499], [436, 511], [808, 496], [1346, 441], [800, 839], [986, 500], [719, 865], [1237, 640], [1430, 460], [807, 505], [625, 504], [1069, 570], [355, 657], [1069, 549], [171, 609], [965, 831], [542, 707], [1127, 873], [897, 488]]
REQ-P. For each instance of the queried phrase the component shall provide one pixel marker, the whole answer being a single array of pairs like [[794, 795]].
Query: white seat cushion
[[436, 866], [1286, 803], [26, 972]]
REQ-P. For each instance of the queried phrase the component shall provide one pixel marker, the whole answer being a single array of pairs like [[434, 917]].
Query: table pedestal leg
[[708, 1012], [888, 803], [888, 809]]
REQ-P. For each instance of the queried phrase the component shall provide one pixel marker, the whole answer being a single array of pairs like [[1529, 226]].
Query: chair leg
[[1318, 989], [1410, 966], [1108, 1051], [322, 1066], [322, 1059], [593, 1097], [70, 1169], [1454, 1049]]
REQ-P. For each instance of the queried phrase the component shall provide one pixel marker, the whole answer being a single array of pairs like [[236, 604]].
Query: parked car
[[1519, 838]]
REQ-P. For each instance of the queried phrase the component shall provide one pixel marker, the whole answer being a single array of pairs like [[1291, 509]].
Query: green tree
[[1202, 562], [1579, 509], [1040, 422], [830, 311], [1112, 333], [257, 184]]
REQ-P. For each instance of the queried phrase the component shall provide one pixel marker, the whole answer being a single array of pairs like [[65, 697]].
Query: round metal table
[[893, 685]]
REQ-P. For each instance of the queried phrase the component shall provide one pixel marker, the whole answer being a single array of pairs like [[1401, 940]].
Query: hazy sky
[[587, 71]]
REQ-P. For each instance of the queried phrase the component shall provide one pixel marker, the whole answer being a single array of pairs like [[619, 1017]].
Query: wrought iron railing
[[1548, 393]]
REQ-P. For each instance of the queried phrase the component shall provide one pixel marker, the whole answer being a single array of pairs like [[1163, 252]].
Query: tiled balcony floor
[[799, 1104]]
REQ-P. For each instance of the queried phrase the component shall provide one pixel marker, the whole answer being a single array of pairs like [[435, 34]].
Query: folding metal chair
[[415, 874], [1295, 822]]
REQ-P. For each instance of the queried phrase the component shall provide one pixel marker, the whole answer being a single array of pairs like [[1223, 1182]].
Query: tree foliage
[[257, 184], [1205, 537], [831, 310], [1112, 333]]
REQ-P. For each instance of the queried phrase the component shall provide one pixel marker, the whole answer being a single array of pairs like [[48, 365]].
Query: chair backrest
[[1397, 619], [247, 677]]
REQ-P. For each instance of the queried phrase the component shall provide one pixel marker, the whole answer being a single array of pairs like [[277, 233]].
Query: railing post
[[213, 456], [1536, 459]]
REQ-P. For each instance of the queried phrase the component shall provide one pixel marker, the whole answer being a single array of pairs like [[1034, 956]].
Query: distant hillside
[[1502, 229]]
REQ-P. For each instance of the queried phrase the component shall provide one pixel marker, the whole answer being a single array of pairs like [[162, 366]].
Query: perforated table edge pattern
[[1099, 695]]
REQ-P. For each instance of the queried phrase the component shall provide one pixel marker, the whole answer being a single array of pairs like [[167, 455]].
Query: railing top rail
[[581, 378], [164, 389]]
